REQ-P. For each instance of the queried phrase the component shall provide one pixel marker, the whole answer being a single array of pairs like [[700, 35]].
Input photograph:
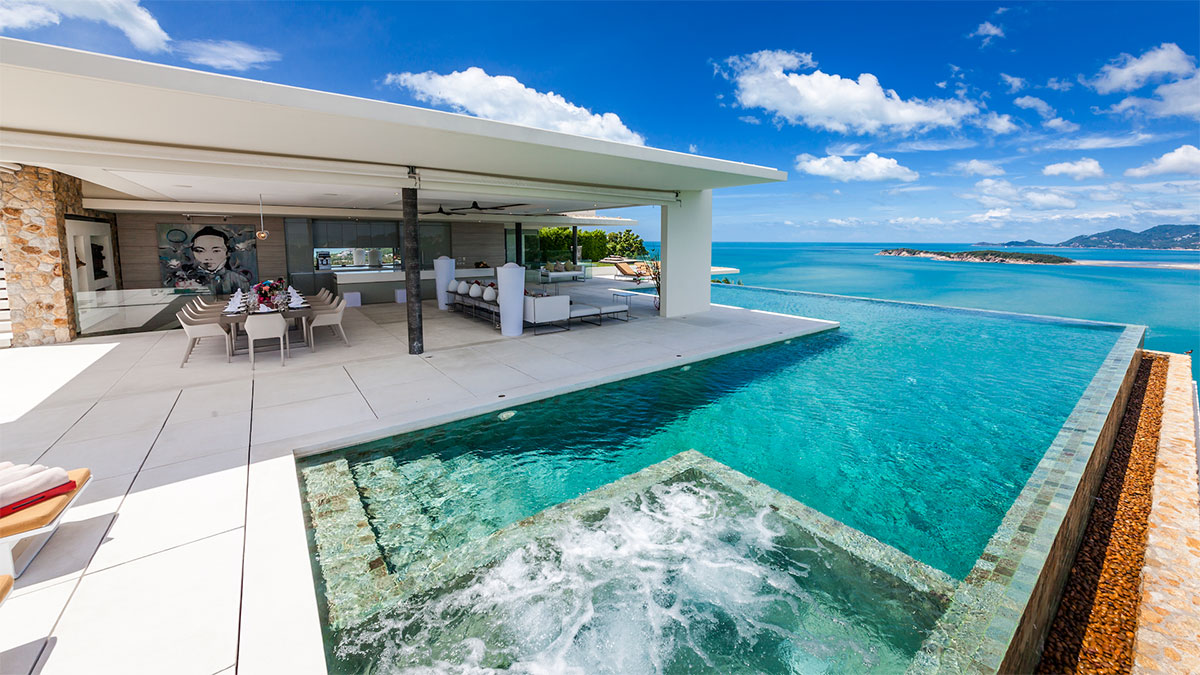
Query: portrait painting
[[218, 257]]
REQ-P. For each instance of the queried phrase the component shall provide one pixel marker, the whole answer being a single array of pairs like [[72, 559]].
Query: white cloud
[[1034, 103], [227, 54], [846, 149], [988, 31], [750, 119], [767, 80], [1014, 84], [1058, 85], [1044, 201], [978, 167], [1128, 72], [935, 145], [26, 15], [127, 16], [504, 98], [992, 214], [868, 167], [999, 124], [1101, 142], [692, 148], [1084, 168], [1184, 159], [1181, 98], [999, 194], [941, 85], [1059, 124], [916, 220]]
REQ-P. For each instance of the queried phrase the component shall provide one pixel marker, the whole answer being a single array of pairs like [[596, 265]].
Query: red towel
[[35, 499]]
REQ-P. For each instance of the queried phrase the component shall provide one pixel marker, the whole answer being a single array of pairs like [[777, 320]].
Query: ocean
[[1165, 300]]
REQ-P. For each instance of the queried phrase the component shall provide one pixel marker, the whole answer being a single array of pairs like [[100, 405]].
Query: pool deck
[[187, 554]]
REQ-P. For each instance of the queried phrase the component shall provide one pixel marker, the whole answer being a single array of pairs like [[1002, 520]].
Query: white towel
[[18, 472], [40, 481]]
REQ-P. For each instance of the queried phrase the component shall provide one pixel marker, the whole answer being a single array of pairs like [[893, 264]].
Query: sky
[[896, 121]]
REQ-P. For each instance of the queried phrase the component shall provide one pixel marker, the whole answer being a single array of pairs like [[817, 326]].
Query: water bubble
[[685, 369], [506, 415]]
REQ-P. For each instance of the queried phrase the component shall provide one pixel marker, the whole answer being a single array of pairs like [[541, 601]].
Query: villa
[[380, 497]]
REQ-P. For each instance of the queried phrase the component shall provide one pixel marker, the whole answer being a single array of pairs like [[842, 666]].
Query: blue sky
[[895, 121]]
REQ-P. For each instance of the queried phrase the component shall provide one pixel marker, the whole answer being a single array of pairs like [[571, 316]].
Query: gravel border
[[1096, 622]]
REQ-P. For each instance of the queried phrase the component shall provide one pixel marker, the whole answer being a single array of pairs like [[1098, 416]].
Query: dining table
[[297, 312]]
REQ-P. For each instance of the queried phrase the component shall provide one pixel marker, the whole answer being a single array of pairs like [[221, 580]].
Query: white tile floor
[[188, 553]]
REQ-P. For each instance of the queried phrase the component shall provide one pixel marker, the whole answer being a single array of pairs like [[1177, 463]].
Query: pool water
[[668, 570], [915, 425]]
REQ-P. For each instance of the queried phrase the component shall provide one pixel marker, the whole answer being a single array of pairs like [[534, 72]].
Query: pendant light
[[262, 233]]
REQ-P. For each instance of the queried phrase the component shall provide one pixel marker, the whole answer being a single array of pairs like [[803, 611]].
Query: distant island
[[981, 256], [1186, 237]]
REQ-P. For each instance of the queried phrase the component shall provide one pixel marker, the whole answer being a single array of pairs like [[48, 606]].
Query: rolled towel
[[18, 472], [33, 484]]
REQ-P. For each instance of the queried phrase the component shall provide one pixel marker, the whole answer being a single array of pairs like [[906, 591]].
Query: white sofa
[[548, 310]]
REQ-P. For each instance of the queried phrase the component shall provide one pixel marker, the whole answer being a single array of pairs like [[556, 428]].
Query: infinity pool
[[914, 425]]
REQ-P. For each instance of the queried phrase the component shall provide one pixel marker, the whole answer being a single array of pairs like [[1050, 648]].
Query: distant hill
[[1159, 236], [981, 256]]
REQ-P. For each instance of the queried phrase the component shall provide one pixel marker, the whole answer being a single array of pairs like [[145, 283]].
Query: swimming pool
[[915, 425]]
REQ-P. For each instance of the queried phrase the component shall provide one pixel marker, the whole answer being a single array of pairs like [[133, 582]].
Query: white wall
[[687, 255]]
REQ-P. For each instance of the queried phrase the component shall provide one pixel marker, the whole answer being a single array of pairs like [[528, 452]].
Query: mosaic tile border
[[1000, 613]]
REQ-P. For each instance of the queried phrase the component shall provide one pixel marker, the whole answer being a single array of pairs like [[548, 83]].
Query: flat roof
[[73, 93]]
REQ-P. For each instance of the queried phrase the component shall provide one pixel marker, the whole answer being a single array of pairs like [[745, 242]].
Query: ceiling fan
[[441, 211], [476, 207]]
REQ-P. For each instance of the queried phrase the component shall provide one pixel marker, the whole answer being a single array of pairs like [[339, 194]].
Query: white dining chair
[[332, 318], [271, 326], [196, 330]]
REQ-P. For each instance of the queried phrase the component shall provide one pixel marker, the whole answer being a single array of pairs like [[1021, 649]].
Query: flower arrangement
[[270, 293]]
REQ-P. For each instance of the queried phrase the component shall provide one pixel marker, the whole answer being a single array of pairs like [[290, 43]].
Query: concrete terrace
[[187, 553]]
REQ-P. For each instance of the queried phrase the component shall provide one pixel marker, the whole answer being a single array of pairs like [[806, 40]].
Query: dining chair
[[196, 330], [270, 326], [331, 317]]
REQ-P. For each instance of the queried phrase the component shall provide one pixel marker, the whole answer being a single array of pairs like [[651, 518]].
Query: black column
[[412, 270], [575, 244], [520, 246]]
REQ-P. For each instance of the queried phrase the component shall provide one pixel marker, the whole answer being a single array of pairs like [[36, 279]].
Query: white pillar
[[687, 254], [510, 282], [443, 270]]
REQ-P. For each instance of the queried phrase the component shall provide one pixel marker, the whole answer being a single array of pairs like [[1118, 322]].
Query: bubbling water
[[676, 578]]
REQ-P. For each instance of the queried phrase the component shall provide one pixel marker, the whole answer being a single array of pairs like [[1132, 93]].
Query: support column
[[33, 237], [520, 252], [686, 238], [575, 244], [412, 270]]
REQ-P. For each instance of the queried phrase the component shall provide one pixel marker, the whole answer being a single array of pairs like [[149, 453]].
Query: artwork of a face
[[218, 258], [210, 251]]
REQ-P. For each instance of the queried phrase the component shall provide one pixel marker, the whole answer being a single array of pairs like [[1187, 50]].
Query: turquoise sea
[[1165, 300]]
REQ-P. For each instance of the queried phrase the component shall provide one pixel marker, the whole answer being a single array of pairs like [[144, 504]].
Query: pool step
[[402, 528], [357, 583]]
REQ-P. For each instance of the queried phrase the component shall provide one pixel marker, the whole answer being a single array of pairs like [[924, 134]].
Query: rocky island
[[982, 256], [1161, 237]]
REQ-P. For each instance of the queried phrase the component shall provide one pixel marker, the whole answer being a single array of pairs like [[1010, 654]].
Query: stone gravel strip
[[1094, 629], [1168, 633]]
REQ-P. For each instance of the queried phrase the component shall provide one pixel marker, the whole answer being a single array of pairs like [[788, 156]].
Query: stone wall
[[34, 205]]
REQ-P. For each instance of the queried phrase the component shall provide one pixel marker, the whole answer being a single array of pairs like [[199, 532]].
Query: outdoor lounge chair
[[36, 523], [627, 270]]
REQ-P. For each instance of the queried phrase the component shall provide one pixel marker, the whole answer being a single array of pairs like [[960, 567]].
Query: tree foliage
[[595, 244], [626, 244]]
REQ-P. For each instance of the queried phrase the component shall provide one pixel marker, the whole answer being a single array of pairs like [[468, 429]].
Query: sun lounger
[[627, 270], [37, 523]]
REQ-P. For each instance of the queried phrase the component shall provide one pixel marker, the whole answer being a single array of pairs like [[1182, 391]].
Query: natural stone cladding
[[35, 202]]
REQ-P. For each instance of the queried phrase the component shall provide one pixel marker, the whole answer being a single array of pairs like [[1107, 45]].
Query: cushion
[[489, 294], [463, 287], [476, 291], [578, 310], [453, 287], [613, 309], [560, 267]]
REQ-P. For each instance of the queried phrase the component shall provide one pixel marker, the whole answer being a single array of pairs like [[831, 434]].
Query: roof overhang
[[155, 132]]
